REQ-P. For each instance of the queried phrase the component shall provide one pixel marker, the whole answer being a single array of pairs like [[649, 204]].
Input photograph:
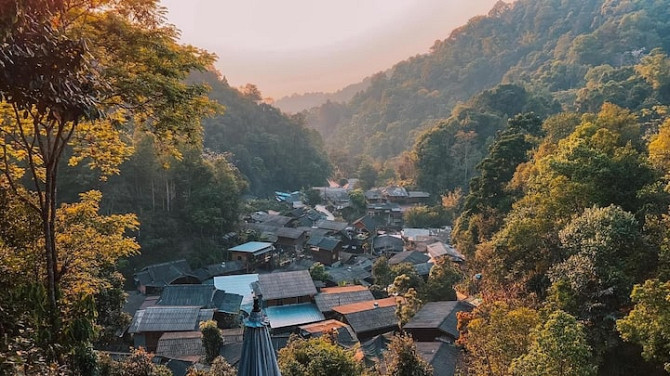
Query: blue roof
[[240, 285], [251, 247], [292, 315]]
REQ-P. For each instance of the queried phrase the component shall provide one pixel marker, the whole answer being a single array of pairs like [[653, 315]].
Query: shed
[[149, 324], [253, 254], [370, 318]]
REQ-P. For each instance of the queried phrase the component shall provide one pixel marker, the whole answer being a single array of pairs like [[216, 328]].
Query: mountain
[[272, 151], [299, 102], [547, 46]]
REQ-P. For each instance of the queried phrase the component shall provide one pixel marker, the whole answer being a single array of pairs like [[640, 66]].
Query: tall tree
[[558, 348], [402, 359], [75, 75]]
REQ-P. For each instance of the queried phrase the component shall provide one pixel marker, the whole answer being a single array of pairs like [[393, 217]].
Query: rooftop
[[326, 301], [253, 247], [412, 257], [442, 356], [240, 285], [187, 295], [365, 306], [373, 319], [163, 274], [332, 225], [286, 285], [412, 234], [181, 345], [168, 319], [439, 315], [292, 315]]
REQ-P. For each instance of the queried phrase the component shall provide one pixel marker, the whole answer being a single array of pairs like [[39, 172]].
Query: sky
[[297, 46]]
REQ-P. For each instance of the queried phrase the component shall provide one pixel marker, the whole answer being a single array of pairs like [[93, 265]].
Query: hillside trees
[[75, 76], [317, 356]]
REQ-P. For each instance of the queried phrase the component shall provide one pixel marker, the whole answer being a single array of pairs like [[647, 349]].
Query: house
[[417, 197], [153, 278], [387, 244], [253, 254], [389, 213], [374, 196], [369, 318], [239, 285], [368, 224], [331, 297], [291, 239], [395, 194], [337, 197], [443, 357], [185, 346], [325, 250], [288, 317], [203, 296], [413, 235], [286, 288], [344, 335], [412, 257], [439, 249], [348, 274], [333, 227], [150, 324], [437, 320]]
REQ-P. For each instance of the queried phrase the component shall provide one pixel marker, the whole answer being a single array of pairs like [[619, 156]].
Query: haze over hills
[[299, 102], [543, 45]]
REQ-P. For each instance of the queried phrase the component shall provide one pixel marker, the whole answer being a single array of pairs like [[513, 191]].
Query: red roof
[[366, 306]]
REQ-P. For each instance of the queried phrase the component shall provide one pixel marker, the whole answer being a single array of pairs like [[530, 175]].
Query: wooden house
[[437, 320]]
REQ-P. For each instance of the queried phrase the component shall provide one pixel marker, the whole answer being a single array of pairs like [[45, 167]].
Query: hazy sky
[[289, 46]]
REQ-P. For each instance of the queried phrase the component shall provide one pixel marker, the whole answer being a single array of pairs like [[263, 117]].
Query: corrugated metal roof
[[373, 319], [187, 295], [165, 319], [332, 225], [253, 247], [163, 274], [293, 315], [326, 301], [442, 356], [228, 303], [413, 257], [286, 285], [181, 345], [240, 285], [439, 315]]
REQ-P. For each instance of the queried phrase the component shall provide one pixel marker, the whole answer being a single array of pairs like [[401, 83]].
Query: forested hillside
[[569, 49], [272, 151]]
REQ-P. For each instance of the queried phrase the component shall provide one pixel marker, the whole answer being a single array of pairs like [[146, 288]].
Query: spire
[[258, 354]]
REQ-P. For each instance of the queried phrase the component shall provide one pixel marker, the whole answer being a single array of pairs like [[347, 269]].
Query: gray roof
[[290, 233], [348, 274], [219, 269], [327, 243], [225, 302], [277, 220], [413, 257], [163, 274], [388, 243], [439, 315], [442, 356], [423, 269], [187, 295], [181, 345], [418, 194], [326, 302], [332, 225], [286, 285], [373, 319], [168, 319], [395, 191], [256, 248], [373, 194]]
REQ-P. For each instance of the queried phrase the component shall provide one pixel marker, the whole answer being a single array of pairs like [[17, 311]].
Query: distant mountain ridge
[[295, 103], [546, 46]]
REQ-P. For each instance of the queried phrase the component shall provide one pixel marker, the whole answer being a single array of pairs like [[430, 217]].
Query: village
[[312, 275]]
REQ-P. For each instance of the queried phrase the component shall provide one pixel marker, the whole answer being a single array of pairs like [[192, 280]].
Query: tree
[[220, 367], [494, 334], [74, 78], [318, 272], [648, 324], [408, 307], [367, 174], [381, 272], [211, 339], [317, 356], [441, 280], [558, 347], [402, 359]]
